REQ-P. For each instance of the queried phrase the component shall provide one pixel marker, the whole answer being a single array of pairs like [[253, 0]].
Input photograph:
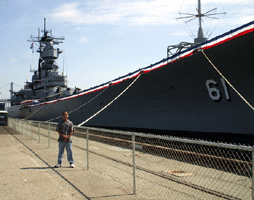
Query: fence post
[[252, 161], [39, 138], [49, 136], [26, 129], [87, 147], [133, 162], [31, 130]]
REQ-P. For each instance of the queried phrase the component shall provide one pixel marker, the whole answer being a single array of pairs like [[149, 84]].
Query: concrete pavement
[[27, 172]]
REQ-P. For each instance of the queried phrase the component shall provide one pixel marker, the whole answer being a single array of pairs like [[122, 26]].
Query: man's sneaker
[[58, 165], [72, 165]]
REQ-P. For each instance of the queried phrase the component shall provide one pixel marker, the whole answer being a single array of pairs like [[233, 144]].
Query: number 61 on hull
[[213, 92]]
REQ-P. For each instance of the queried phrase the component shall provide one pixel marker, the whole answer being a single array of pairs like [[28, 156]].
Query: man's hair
[[65, 112]]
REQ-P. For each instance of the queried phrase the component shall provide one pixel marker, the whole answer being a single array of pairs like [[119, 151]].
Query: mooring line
[[228, 81], [111, 101], [80, 106], [42, 105], [33, 112]]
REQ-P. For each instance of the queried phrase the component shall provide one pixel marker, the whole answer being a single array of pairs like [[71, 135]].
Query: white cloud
[[83, 40], [115, 12], [150, 12], [13, 60]]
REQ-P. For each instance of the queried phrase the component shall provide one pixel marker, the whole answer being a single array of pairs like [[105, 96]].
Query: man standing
[[65, 129]]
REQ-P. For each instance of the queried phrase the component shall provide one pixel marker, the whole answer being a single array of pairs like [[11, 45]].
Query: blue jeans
[[68, 146]]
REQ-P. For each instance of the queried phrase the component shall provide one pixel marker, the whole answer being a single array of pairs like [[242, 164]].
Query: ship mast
[[44, 25], [200, 36]]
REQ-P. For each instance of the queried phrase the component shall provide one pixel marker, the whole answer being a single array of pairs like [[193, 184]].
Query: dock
[[27, 172]]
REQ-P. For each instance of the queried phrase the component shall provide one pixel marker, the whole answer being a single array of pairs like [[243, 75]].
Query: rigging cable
[[218, 21], [4, 86], [80, 106], [111, 101], [34, 112], [189, 32], [227, 81], [17, 85], [42, 105]]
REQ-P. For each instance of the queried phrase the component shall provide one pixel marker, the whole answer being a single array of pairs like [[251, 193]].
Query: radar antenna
[[174, 49], [200, 37]]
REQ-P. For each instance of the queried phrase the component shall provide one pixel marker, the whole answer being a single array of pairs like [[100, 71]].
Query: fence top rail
[[175, 139], [35, 121], [168, 138]]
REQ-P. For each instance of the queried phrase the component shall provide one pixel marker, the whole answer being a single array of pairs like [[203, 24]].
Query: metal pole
[[87, 147], [31, 130], [26, 128], [49, 136], [252, 172], [39, 138], [133, 162]]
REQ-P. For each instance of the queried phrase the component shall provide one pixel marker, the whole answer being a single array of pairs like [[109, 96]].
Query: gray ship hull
[[185, 93]]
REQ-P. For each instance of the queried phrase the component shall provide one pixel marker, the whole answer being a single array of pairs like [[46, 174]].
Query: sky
[[104, 39]]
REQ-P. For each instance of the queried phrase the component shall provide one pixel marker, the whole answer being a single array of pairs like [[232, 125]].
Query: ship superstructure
[[46, 82], [204, 90]]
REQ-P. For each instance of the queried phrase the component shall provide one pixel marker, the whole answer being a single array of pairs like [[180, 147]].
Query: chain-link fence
[[156, 167]]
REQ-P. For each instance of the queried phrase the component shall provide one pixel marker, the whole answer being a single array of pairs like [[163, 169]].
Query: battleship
[[204, 89]]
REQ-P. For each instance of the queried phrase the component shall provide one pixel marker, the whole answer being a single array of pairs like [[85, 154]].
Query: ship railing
[[158, 167]]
